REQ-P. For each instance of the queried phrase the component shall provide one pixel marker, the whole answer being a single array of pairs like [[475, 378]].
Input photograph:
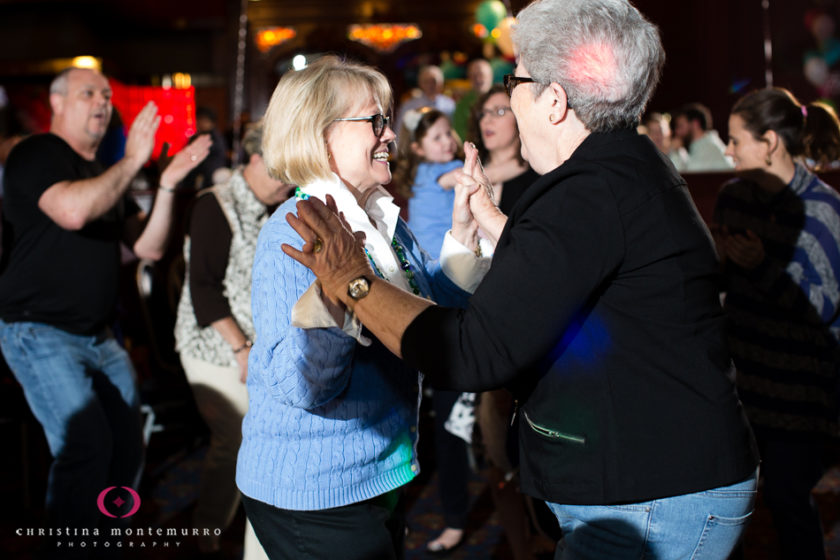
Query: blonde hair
[[304, 105]]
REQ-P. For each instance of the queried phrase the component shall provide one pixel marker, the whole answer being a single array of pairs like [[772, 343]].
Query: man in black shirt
[[64, 217]]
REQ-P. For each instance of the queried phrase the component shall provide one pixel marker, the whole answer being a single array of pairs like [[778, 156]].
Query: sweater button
[[413, 429], [413, 468]]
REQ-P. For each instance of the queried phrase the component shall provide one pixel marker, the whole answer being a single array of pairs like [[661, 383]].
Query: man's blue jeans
[[704, 525], [82, 389]]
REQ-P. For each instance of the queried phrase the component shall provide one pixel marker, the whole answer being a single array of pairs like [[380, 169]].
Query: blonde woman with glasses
[[331, 430]]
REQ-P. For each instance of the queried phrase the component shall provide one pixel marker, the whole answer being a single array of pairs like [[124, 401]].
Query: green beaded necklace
[[408, 270]]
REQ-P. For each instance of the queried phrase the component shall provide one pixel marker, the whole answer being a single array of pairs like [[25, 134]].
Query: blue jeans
[[703, 525], [82, 389]]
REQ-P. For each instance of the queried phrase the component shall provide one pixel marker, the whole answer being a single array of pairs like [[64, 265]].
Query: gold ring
[[317, 245]]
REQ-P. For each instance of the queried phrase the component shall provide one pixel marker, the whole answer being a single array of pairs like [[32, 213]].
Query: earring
[[552, 118], [768, 161]]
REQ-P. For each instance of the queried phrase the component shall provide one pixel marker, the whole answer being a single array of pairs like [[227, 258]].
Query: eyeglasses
[[512, 81], [494, 112], [378, 122]]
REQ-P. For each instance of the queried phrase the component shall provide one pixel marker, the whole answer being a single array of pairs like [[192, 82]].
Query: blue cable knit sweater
[[330, 422]]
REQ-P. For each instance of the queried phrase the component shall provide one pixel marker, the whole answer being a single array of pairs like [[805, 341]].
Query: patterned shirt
[[784, 325], [245, 216]]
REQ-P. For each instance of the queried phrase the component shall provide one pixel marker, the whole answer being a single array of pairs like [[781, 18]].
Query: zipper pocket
[[549, 433]]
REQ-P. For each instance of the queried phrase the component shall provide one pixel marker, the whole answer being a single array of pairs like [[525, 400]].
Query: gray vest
[[245, 215]]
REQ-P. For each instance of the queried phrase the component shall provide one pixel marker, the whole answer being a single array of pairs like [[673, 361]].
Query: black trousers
[[369, 530], [451, 462], [791, 469]]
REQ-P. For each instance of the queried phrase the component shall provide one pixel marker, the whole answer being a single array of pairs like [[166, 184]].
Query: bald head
[[480, 75], [430, 81]]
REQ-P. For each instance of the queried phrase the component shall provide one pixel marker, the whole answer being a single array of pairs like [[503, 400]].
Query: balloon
[[500, 67], [451, 70], [505, 39], [490, 13]]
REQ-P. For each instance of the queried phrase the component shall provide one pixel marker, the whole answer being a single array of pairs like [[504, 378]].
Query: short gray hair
[[604, 53], [59, 83]]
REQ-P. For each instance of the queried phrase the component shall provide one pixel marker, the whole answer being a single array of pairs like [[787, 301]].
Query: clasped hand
[[336, 254], [331, 249], [744, 249], [474, 203]]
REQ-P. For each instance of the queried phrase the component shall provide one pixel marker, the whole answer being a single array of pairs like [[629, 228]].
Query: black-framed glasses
[[512, 81], [378, 122], [494, 112]]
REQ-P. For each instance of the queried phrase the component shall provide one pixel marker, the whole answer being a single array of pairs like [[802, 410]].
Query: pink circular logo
[[118, 502]]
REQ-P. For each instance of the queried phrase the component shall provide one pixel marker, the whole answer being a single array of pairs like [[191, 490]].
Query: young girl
[[425, 174]]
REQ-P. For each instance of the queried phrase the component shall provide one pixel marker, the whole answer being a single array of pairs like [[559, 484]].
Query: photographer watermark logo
[[116, 501]]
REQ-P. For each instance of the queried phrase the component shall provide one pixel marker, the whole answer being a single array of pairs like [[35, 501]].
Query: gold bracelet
[[166, 189]]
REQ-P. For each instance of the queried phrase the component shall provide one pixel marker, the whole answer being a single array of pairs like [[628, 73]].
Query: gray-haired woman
[[600, 310]]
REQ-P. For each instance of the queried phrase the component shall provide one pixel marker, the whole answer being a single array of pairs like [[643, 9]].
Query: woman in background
[[777, 229], [214, 329], [494, 132], [429, 159]]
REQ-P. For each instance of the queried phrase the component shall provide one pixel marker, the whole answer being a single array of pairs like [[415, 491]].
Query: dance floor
[[170, 485]]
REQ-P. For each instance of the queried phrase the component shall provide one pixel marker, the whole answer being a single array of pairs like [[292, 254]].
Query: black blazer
[[601, 313]]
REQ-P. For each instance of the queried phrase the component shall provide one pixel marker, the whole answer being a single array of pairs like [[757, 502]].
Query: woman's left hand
[[185, 161], [745, 249], [331, 250]]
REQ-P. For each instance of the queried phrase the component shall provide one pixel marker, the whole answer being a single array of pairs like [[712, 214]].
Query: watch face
[[358, 288]]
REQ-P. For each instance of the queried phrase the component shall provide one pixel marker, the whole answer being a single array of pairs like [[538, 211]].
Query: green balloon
[[490, 13]]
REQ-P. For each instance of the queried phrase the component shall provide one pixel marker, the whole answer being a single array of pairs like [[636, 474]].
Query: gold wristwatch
[[358, 288]]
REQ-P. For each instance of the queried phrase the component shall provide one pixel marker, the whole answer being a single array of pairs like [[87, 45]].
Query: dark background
[[715, 48]]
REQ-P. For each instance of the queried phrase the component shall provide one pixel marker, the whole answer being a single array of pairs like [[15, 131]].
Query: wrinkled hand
[[342, 257], [490, 219], [745, 250], [482, 198], [242, 360], [185, 161], [141, 135], [464, 225]]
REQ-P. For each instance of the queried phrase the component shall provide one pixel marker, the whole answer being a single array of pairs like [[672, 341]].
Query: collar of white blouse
[[378, 220]]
